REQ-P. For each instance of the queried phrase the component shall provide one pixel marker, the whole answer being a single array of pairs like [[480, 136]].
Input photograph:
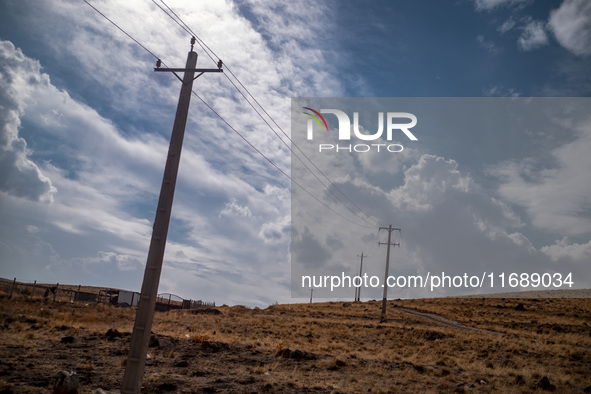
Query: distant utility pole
[[358, 289], [136, 359], [390, 229], [311, 291]]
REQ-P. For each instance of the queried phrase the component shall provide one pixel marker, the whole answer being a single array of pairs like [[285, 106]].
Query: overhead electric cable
[[123, 31], [274, 165], [228, 124], [206, 48]]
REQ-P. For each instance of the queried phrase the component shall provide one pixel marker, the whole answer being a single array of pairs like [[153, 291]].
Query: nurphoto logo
[[392, 124]]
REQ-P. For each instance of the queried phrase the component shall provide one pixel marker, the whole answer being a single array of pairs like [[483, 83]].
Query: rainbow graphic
[[316, 117]]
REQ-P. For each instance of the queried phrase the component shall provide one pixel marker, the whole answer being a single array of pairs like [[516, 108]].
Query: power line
[[123, 31], [228, 124], [274, 165], [206, 48], [203, 45]]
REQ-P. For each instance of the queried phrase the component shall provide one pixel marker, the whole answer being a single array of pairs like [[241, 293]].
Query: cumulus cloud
[[453, 217], [104, 146], [533, 36], [562, 249], [232, 208], [450, 224], [20, 78], [571, 25], [427, 181], [556, 197], [100, 176]]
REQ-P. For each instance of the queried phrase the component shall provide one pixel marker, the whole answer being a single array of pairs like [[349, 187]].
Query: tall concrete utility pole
[[390, 229], [140, 338], [358, 289]]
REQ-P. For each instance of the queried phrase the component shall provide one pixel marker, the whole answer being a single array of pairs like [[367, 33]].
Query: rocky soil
[[433, 345]]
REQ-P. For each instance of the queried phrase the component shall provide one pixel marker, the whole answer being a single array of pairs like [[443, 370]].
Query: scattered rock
[[285, 353], [66, 383], [211, 347], [295, 354], [346, 304], [419, 368], [339, 362], [112, 334], [519, 307], [544, 384], [165, 343], [154, 341], [433, 335], [68, 339], [99, 391], [167, 387]]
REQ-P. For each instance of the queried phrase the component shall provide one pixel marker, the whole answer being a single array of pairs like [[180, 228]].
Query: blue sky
[[85, 128]]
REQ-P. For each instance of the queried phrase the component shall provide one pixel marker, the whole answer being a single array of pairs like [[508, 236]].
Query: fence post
[[12, 289], [55, 294], [33, 292], [77, 297]]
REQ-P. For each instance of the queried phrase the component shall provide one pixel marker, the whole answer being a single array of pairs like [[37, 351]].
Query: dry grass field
[[458, 345]]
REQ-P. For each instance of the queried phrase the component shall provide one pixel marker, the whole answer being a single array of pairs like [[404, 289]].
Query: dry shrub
[[198, 338], [89, 318]]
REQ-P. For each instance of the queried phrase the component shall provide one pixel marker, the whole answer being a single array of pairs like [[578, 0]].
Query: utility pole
[[311, 291], [358, 289], [140, 338], [390, 229]]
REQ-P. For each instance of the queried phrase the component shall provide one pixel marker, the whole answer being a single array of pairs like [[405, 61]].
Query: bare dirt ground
[[431, 345]]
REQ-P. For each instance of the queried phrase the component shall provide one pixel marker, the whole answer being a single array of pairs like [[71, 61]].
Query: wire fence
[[68, 293]]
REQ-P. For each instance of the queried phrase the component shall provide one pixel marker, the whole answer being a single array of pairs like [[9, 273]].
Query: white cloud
[[112, 173], [427, 181], [489, 5], [533, 36], [564, 250], [571, 25], [104, 136], [20, 79], [557, 198], [488, 45], [506, 26], [232, 208], [452, 216], [499, 91]]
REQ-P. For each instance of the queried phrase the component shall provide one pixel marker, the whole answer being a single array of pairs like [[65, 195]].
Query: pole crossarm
[[196, 70], [201, 71]]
